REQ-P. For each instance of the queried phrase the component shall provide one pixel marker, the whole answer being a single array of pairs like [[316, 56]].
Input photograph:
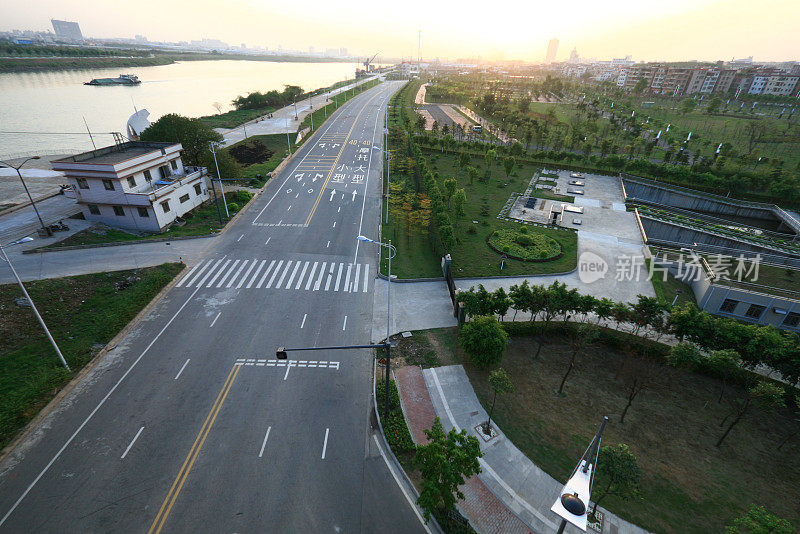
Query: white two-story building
[[135, 185]]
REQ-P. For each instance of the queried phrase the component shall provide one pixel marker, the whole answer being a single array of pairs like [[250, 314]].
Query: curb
[[478, 278], [56, 400], [42, 250]]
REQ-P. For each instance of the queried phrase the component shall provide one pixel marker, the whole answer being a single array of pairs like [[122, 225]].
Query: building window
[[108, 184], [792, 319], [119, 211], [143, 212], [93, 209], [728, 306], [164, 171], [174, 164], [82, 183], [147, 176], [165, 206], [184, 198], [131, 181], [755, 311], [197, 189]]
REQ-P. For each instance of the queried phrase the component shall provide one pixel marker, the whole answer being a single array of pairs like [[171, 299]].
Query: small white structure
[[135, 185], [137, 123]]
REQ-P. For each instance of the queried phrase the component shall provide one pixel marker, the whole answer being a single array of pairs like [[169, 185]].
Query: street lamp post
[[294, 103], [17, 168], [33, 306], [221, 188], [392, 252], [288, 143]]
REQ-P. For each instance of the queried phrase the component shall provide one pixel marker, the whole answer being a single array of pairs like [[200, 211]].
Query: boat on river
[[122, 79]]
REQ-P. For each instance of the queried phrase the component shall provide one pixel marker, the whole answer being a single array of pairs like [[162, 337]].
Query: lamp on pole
[[221, 188], [17, 168], [391, 254], [33, 306], [294, 103], [288, 143]]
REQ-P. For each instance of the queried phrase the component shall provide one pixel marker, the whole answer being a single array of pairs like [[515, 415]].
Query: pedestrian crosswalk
[[298, 275]]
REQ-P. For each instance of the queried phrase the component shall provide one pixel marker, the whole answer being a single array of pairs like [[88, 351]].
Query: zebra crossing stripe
[[213, 268], [228, 273], [302, 274], [311, 275], [355, 280], [321, 274], [199, 273], [233, 278], [366, 276], [269, 268], [291, 278], [188, 275], [246, 274], [255, 274], [283, 275], [330, 276], [346, 286], [274, 274], [338, 277], [219, 272]]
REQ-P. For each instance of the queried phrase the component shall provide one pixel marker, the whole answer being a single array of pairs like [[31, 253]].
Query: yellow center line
[[341, 151], [166, 507]]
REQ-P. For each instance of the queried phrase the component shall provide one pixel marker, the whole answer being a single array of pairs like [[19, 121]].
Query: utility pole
[[221, 188], [45, 229]]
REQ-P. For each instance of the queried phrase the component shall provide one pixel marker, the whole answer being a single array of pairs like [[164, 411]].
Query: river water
[[58, 101]]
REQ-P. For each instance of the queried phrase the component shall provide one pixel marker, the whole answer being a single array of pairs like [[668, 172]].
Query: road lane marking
[[263, 445], [283, 275], [311, 275], [302, 274], [233, 278], [289, 364], [366, 276], [124, 454], [333, 192], [219, 272], [269, 268], [304, 320], [94, 411], [189, 359], [246, 274], [240, 238], [325, 443], [267, 243], [215, 320], [228, 273], [338, 277], [334, 224], [274, 274], [189, 274], [290, 206], [346, 286], [366, 180], [321, 274], [199, 273], [213, 268], [328, 245], [175, 490], [344, 325], [291, 278]]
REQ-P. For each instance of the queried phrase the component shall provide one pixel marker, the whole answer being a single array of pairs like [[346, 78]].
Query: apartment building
[[781, 84], [136, 185]]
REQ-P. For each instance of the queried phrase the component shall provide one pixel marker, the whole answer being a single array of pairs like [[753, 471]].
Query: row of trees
[[270, 99]]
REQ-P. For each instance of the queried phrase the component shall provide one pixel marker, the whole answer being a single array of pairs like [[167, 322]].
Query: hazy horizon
[[705, 30]]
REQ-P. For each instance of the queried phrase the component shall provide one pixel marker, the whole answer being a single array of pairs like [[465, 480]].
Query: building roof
[[111, 155]]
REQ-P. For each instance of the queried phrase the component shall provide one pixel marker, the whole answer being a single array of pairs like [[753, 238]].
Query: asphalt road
[[191, 425]]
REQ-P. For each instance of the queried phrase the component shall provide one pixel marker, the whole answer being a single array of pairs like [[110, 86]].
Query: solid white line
[[338, 277], [311, 275], [219, 272], [346, 286], [244, 277], [283, 274], [325, 443], [263, 445], [345, 323], [288, 366], [233, 278], [366, 276], [304, 320], [186, 363], [240, 238], [188, 275], [274, 274], [100, 405], [366, 183], [291, 278], [267, 243], [227, 274], [266, 273], [215, 320], [124, 454], [302, 274]]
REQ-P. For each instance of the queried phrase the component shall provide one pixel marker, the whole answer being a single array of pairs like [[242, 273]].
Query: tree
[[217, 106], [758, 521], [450, 185], [582, 336], [501, 383], [687, 105], [640, 86], [445, 463], [508, 166], [464, 160], [684, 356], [500, 302], [472, 172], [459, 200], [421, 122], [725, 364], [616, 473], [490, 156], [714, 105], [484, 340], [764, 395], [229, 168], [637, 375], [191, 133]]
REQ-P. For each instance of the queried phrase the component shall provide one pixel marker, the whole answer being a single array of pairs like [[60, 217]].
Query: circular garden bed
[[523, 244]]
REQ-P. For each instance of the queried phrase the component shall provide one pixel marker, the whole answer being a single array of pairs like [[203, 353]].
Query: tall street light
[[27, 296], [17, 168], [221, 188], [392, 252]]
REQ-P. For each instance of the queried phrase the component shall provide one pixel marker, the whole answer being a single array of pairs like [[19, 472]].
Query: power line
[[58, 133]]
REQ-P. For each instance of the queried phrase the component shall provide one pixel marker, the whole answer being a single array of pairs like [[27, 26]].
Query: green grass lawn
[[202, 221], [278, 144], [687, 484], [471, 255], [83, 314], [234, 117]]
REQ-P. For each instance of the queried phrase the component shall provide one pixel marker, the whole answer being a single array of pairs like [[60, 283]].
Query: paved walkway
[[512, 494]]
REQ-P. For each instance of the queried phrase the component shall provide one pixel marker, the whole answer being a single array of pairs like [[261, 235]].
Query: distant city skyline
[[705, 30]]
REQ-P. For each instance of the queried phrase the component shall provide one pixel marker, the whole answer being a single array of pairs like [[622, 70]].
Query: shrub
[[524, 240], [233, 207], [484, 340], [523, 230], [530, 246]]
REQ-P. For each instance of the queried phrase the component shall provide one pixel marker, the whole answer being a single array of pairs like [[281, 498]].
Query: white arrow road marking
[[332, 194]]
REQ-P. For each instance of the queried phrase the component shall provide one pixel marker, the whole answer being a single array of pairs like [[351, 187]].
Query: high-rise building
[[552, 49], [68, 31], [574, 57]]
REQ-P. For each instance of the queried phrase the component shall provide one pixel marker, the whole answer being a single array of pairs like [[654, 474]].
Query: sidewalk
[[517, 494]]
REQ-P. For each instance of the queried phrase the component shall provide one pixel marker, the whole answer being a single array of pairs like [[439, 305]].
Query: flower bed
[[524, 244]]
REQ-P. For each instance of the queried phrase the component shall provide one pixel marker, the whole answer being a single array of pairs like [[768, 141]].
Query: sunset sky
[[647, 29]]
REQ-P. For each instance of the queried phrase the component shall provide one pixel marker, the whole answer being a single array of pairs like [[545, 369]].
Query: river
[[57, 102]]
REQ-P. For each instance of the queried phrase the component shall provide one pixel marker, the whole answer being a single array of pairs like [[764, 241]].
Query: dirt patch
[[251, 153]]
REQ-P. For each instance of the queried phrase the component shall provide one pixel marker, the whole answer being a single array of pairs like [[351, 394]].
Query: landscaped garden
[[521, 244]]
